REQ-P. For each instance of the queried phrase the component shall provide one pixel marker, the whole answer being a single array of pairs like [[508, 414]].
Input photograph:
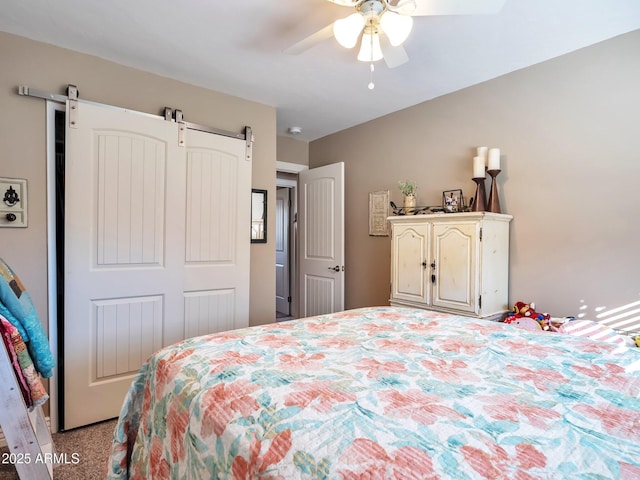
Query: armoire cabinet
[[451, 262]]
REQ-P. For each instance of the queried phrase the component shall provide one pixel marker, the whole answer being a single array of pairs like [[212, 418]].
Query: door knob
[[335, 269]]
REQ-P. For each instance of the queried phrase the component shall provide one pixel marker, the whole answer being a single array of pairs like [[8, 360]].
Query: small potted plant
[[408, 189]]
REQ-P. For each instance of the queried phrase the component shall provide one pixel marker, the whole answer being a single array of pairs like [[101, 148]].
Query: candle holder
[[479, 200], [493, 205]]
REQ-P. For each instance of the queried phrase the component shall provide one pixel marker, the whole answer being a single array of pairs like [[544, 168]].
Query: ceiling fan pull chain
[[371, 68]]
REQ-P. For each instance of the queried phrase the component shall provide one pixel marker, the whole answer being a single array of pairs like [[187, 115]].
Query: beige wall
[[22, 145], [291, 150], [569, 131]]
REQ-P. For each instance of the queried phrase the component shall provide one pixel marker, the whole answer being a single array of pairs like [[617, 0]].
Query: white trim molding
[[290, 167]]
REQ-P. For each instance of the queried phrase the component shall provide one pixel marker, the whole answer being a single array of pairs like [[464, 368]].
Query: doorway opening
[[285, 240], [58, 178]]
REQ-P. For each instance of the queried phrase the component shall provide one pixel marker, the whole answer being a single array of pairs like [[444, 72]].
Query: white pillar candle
[[493, 162], [478, 167], [482, 152]]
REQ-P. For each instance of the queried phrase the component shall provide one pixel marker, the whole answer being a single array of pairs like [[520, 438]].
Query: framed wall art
[[378, 213], [258, 216]]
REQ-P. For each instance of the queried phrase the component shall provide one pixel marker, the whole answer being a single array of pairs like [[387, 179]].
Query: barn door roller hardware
[[72, 93], [176, 115]]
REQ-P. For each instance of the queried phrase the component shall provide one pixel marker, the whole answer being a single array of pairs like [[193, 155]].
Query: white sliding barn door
[[140, 247], [321, 217], [217, 246]]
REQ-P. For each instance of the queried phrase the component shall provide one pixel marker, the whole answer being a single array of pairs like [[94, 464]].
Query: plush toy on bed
[[525, 315]]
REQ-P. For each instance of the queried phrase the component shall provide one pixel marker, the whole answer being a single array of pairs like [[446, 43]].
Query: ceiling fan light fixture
[[370, 50], [396, 27], [347, 30]]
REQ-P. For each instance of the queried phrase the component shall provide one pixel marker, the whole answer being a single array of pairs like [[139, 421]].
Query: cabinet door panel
[[409, 251], [455, 256]]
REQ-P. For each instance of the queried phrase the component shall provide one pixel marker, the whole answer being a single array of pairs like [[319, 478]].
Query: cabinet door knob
[[11, 217], [433, 265], [424, 264]]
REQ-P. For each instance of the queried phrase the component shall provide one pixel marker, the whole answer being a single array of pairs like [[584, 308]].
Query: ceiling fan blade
[[393, 56], [402, 7], [310, 41], [457, 7], [346, 3]]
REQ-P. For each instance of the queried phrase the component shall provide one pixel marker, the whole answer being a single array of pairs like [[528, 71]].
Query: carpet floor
[[86, 449]]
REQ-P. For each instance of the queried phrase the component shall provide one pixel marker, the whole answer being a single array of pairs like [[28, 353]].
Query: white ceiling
[[236, 47]]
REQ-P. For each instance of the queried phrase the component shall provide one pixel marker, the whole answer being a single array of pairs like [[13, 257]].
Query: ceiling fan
[[384, 25]]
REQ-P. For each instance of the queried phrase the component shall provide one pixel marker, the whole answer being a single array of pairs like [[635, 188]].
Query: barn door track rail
[[169, 114]]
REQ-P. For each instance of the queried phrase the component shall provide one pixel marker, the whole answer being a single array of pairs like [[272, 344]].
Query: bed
[[379, 393]]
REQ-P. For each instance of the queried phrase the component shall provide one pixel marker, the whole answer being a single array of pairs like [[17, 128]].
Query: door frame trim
[[286, 167], [294, 271]]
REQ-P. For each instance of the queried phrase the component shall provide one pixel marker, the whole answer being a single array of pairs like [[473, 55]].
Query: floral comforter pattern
[[382, 393]]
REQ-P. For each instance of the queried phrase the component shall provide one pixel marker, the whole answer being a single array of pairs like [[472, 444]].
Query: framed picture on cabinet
[[452, 201], [378, 213]]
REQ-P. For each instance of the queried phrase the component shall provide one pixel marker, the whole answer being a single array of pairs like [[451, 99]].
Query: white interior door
[[321, 231], [283, 295], [143, 258]]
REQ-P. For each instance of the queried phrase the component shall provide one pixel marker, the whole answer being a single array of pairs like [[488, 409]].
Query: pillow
[[593, 330]]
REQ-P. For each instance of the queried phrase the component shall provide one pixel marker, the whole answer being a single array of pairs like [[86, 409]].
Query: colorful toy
[[524, 322], [524, 312]]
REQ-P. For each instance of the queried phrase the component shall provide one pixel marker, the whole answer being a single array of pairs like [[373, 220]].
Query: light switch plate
[[13, 202]]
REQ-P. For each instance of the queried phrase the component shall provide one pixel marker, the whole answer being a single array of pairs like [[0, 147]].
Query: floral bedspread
[[382, 393]]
